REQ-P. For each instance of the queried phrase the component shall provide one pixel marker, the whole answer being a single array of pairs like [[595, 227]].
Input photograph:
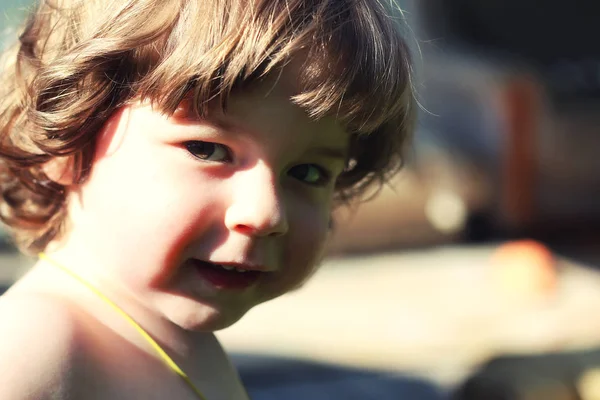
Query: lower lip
[[224, 279]]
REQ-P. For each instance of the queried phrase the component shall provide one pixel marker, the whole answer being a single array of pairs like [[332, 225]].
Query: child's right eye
[[207, 151]]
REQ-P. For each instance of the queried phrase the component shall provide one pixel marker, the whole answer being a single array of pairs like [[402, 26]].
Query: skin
[[252, 186]]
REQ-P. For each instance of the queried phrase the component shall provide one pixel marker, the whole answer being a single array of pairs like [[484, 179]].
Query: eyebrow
[[338, 153], [332, 152]]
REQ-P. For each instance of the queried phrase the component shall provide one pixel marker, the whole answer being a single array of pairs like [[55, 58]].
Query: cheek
[[145, 211], [311, 235], [305, 247]]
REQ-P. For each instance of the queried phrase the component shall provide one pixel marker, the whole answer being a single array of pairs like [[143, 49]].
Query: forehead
[[268, 105]]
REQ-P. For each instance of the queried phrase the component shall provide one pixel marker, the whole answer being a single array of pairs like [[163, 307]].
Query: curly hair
[[77, 61]]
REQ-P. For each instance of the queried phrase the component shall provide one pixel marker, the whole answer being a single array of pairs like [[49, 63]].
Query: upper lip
[[248, 266]]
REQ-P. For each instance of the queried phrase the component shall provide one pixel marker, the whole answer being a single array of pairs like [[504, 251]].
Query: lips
[[226, 276]]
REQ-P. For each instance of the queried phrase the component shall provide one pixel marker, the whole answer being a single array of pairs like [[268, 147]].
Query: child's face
[[253, 187]]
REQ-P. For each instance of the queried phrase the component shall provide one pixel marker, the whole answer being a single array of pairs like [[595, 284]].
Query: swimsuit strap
[[159, 350]]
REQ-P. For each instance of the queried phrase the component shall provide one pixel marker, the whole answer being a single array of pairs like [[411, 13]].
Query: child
[[176, 163]]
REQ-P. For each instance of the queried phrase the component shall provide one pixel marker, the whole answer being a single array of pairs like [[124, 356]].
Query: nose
[[257, 207]]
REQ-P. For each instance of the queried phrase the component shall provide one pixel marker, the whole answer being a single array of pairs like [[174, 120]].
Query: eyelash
[[194, 153], [324, 175]]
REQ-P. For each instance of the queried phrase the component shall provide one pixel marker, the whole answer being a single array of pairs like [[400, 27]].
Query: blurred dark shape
[[556, 38], [270, 378], [553, 376], [478, 228], [540, 32], [512, 92]]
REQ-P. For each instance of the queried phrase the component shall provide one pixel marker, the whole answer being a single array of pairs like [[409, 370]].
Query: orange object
[[524, 267]]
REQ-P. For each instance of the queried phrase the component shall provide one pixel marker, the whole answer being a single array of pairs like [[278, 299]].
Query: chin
[[207, 319]]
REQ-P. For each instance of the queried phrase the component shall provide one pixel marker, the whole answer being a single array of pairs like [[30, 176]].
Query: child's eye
[[310, 173], [207, 151]]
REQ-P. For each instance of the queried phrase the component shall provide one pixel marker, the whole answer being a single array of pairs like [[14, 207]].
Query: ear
[[60, 170]]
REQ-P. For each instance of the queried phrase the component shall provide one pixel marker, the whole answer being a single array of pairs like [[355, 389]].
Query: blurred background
[[474, 274]]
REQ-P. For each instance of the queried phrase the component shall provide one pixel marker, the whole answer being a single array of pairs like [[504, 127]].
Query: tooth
[[228, 268], [240, 270]]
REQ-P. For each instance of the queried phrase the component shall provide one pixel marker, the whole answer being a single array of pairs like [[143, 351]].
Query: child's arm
[[38, 348]]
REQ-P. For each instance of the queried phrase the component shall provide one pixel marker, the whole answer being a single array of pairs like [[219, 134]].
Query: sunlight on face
[[202, 220]]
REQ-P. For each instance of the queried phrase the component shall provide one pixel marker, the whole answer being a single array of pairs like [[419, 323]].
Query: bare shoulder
[[40, 346]]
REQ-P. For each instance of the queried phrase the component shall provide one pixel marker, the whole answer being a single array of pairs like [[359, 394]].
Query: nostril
[[248, 230], [270, 230], [276, 233]]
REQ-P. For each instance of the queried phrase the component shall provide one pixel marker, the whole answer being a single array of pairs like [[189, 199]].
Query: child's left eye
[[207, 151], [310, 173]]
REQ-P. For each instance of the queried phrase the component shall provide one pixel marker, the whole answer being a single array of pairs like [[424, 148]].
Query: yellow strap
[[168, 360]]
